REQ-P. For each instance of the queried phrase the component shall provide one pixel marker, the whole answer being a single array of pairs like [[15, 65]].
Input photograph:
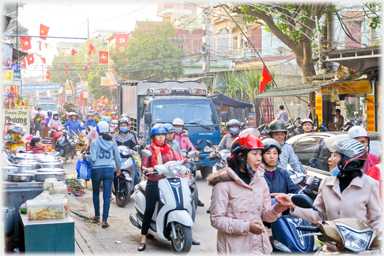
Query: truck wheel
[[206, 171]]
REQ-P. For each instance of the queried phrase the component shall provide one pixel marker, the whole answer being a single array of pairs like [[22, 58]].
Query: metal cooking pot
[[33, 163], [50, 170], [30, 172], [41, 176], [20, 177], [9, 216], [55, 164], [22, 156], [7, 170], [24, 167]]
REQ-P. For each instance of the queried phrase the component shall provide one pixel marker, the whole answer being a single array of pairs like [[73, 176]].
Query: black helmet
[[298, 117], [354, 154], [49, 112], [233, 122], [277, 126], [270, 143]]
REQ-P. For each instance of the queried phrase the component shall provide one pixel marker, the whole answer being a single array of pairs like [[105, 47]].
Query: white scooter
[[172, 217]]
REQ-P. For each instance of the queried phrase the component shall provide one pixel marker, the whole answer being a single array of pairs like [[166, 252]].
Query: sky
[[69, 19]]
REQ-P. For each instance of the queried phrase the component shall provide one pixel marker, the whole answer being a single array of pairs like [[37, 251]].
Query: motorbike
[[264, 130], [172, 219], [285, 236], [223, 155], [347, 125], [55, 135], [349, 235], [323, 128], [66, 144], [123, 184], [294, 130]]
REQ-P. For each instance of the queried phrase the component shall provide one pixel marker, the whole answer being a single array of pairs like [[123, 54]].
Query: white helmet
[[356, 113], [178, 121], [251, 131], [306, 120], [102, 127], [357, 131]]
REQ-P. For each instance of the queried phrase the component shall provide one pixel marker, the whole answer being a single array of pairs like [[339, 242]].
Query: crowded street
[[191, 128]]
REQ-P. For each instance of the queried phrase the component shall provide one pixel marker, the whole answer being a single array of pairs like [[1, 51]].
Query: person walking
[[104, 153], [283, 115]]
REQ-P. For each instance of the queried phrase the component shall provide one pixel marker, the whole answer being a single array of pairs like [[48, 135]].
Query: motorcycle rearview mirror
[[302, 201], [146, 153], [209, 143], [191, 154], [199, 142], [224, 117], [310, 180]]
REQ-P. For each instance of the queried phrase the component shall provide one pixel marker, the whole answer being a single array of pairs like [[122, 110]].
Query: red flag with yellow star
[[23, 63], [91, 49], [66, 70], [265, 79], [48, 75], [87, 66], [30, 59], [44, 60], [73, 52], [103, 57], [25, 43], [44, 31]]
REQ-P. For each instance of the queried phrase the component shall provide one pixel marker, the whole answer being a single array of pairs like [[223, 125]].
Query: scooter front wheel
[[183, 241]]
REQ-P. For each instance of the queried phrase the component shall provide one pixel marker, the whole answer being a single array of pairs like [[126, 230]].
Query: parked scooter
[[347, 125], [66, 145], [348, 234], [285, 236], [123, 185], [172, 217], [264, 130]]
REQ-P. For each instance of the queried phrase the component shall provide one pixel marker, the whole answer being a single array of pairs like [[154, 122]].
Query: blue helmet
[[158, 129], [169, 127], [49, 112], [95, 113], [106, 119]]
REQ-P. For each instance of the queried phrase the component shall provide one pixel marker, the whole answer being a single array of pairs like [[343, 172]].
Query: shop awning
[[225, 101], [289, 91]]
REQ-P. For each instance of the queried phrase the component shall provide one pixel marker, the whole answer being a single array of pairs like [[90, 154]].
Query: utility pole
[[207, 11]]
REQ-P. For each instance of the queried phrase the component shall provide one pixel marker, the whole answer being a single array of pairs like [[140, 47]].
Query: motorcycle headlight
[[162, 197], [175, 168], [355, 240], [208, 149]]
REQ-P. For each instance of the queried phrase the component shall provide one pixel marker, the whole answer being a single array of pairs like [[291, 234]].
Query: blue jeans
[[105, 175]]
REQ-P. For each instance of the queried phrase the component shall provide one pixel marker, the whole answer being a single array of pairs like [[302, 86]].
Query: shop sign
[[319, 109], [252, 120], [16, 87], [354, 87], [370, 113], [8, 77], [20, 117], [104, 81], [334, 94], [6, 52]]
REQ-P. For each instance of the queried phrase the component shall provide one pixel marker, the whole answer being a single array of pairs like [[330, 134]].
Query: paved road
[[98, 240]]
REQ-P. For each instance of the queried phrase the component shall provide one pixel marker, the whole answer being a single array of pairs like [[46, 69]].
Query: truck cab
[[46, 104], [149, 103]]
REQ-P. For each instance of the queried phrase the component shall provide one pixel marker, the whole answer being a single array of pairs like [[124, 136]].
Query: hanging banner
[[334, 95], [370, 113], [20, 117], [6, 52], [319, 109], [252, 120]]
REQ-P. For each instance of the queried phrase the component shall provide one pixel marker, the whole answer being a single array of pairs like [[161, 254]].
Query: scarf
[[158, 151], [267, 168]]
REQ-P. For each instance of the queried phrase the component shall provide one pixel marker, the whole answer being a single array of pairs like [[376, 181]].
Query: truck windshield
[[46, 107], [193, 112]]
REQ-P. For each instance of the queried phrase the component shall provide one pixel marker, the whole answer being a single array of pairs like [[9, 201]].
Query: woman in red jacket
[[161, 153]]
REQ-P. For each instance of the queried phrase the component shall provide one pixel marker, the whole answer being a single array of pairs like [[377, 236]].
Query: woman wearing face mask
[[348, 193], [241, 201], [180, 137], [233, 127], [54, 122]]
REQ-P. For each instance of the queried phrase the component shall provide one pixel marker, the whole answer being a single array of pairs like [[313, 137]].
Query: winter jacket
[[288, 156], [226, 142], [54, 123], [234, 205], [377, 173], [147, 162], [371, 160], [185, 143], [46, 121], [104, 154], [92, 134], [281, 182], [360, 200], [74, 126], [174, 145], [90, 123]]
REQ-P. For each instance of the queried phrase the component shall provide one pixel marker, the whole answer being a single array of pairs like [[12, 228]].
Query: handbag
[[83, 169]]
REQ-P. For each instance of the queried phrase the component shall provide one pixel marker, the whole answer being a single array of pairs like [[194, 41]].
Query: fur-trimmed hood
[[220, 176]]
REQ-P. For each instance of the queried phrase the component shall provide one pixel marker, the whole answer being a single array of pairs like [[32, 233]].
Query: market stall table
[[48, 236]]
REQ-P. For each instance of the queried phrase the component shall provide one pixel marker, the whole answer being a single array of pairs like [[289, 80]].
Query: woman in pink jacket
[[241, 201], [183, 140]]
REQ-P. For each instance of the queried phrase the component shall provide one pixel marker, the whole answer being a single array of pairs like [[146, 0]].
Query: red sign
[[252, 120]]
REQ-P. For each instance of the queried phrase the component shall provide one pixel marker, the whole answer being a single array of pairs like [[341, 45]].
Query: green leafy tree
[[150, 54], [11, 9], [351, 108]]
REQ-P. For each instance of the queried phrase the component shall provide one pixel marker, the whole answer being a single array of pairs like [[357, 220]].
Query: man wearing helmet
[[278, 131], [357, 120], [348, 193], [360, 134], [298, 121], [233, 127], [124, 136], [90, 121], [183, 140], [307, 125], [240, 223]]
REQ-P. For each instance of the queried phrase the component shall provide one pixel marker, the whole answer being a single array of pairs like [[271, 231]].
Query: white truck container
[[46, 103]]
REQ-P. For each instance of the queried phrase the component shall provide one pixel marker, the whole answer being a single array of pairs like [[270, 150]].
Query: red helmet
[[246, 143]]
